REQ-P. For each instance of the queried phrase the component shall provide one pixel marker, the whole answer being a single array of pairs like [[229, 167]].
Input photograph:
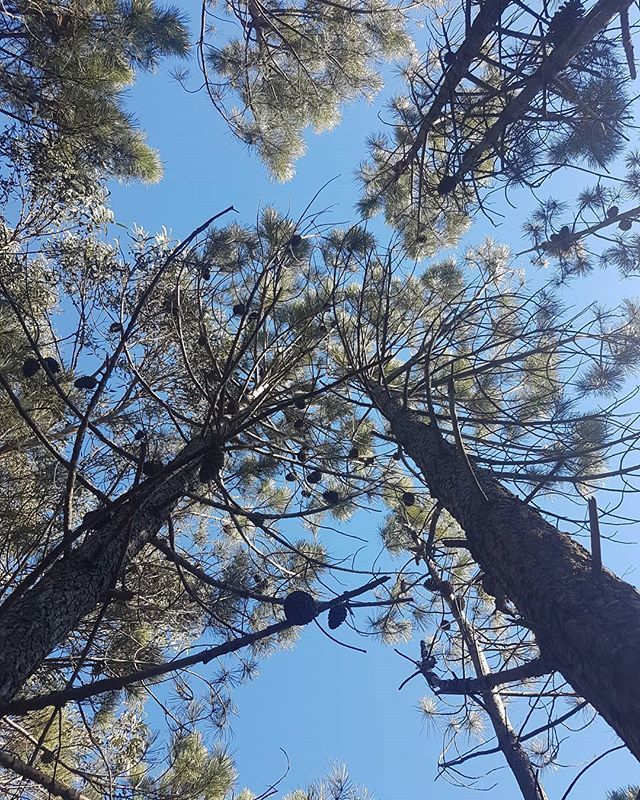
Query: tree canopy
[[186, 424]]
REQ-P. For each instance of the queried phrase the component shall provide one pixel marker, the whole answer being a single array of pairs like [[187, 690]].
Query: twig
[[589, 765], [337, 641], [456, 543], [627, 43], [533, 669]]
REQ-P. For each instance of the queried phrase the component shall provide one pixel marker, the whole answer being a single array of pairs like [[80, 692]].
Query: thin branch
[[61, 698], [534, 669]]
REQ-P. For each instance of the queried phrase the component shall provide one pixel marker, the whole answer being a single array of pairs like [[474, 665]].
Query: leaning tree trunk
[[508, 741], [586, 622], [42, 618]]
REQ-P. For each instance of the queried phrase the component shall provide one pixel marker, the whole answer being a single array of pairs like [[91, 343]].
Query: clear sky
[[320, 702]]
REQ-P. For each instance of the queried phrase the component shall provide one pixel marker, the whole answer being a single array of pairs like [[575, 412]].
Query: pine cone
[[331, 497], [408, 498], [51, 364], [150, 468], [300, 608], [564, 21], [211, 464], [337, 616], [86, 382], [30, 367]]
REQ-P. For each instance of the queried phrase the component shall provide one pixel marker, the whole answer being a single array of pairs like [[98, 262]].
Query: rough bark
[[586, 623], [44, 616]]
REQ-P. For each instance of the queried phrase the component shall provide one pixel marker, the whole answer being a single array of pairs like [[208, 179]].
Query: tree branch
[[533, 669], [53, 786], [61, 698]]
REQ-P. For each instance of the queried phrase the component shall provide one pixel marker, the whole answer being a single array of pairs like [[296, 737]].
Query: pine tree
[[218, 388], [512, 373], [294, 65], [503, 93], [221, 341], [65, 66], [227, 403]]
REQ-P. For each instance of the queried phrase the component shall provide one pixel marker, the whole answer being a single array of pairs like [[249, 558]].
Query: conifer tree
[[65, 66], [224, 385], [217, 391], [504, 92], [218, 342], [294, 65], [487, 404]]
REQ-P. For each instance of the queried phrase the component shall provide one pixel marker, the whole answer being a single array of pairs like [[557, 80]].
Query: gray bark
[[508, 742], [586, 623], [48, 612]]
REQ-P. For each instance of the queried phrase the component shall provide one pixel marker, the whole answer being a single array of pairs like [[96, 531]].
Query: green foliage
[[279, 381], [630, 793], [267, 343], [65, 66], [296, 64], [195, 773], [388, 186], [336, 786]]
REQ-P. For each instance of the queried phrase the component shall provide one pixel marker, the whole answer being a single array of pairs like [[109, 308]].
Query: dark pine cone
[[51, 364], [30, 367], [300, 608], [337, 616], [86, 382], [150, 468], [331, 497], [564, 20], [447, 185], [408, 498]]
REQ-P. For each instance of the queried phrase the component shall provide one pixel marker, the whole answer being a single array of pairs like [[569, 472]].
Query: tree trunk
[[586, 623], [40, 620], [514, 753]]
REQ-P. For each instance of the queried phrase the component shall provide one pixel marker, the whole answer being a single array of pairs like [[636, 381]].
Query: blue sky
[[320, 702]]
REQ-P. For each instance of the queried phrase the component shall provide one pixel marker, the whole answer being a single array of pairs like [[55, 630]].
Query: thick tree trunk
[[586, 623], [40, 620]]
